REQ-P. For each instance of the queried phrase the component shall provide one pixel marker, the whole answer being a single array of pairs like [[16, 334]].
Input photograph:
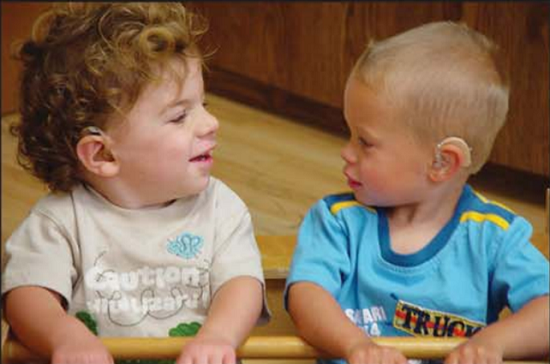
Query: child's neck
[[120, 197], [412, 227]]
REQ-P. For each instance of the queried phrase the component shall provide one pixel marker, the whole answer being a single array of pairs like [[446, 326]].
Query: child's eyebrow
[[362, 131], [174, 104], [183, 102]]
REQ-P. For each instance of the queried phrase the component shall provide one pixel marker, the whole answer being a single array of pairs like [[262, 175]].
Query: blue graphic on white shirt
[[186, 246]]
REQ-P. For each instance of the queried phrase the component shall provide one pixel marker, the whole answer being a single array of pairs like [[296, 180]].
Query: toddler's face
[[165, 144], [383, 164]]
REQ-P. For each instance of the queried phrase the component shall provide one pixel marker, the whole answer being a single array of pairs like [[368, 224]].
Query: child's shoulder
[[222, 195], [55, 203], [481, 210], [339, 202], [56, 207], [218, 187]]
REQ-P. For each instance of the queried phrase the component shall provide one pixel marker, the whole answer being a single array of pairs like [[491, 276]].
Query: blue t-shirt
[[480, 262]]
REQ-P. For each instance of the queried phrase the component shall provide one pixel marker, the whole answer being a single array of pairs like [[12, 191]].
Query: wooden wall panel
[[304, 51], [307, 48], [521, 30], [293, 58]]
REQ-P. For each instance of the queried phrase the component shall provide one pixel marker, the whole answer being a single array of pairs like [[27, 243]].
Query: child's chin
[[197, 187], [358, 197], [363, 199]]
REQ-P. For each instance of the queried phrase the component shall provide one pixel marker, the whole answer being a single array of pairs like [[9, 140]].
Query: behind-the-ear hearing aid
[[91, 130], [458, 142]]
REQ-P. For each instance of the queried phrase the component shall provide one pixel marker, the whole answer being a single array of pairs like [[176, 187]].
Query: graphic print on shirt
[[419, 321], [368, 319], [88, 320], [126, 298], [186, 246]]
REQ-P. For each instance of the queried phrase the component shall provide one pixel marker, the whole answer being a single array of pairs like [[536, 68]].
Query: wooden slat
[[274, 347]]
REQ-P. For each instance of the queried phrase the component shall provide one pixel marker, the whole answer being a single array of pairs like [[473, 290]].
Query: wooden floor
[[278, 167]]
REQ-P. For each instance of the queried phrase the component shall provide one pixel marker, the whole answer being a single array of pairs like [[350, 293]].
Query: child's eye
[[364, 143], [180, 118]]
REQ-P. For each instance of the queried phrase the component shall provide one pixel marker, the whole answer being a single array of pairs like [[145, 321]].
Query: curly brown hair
[[82, 63]]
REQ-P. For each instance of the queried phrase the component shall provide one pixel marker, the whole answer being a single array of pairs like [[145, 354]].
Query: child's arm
[[522, 335], [233, 313], [40, 322], [321, 322]]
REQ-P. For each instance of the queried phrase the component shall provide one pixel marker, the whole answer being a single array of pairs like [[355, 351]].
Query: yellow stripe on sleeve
[[345, 204], [479, 217]]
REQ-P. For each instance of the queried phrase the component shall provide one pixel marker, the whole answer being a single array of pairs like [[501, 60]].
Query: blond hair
[[444, 80], [85, 61]]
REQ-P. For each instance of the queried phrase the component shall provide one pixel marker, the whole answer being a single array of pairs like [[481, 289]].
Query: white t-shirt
[[135, 272]]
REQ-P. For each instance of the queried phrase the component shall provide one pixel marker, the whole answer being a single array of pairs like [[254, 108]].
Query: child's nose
[[209, 125], [347, 153]]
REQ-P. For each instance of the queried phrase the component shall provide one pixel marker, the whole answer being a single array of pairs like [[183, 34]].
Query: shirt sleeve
[[321, 255], [39, 254], [521, 271], [236, 252]]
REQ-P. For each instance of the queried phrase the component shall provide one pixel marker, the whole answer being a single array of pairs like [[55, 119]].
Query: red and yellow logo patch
[[419, 321]]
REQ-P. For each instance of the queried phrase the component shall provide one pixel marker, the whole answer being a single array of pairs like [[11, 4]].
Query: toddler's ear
[[450, 155], [95, 156], [446, 163]]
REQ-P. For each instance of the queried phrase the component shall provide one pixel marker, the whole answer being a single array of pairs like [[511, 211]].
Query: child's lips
[[353, 184], [204, 157]]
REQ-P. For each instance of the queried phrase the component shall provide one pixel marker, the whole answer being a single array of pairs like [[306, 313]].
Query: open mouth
[[353, 183], [205, 157]]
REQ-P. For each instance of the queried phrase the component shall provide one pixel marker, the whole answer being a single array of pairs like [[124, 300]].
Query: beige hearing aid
[[458, 142], [92, 130]]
